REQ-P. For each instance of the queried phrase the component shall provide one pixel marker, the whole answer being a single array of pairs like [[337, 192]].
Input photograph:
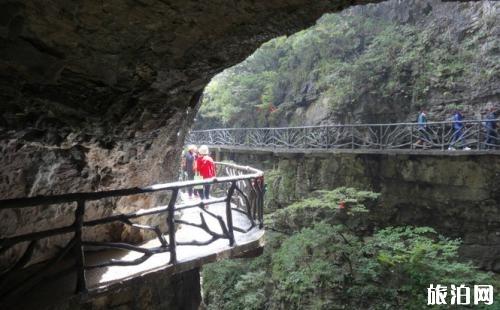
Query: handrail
[[347, 125], [430, 135], [89, 196], [241, 183]]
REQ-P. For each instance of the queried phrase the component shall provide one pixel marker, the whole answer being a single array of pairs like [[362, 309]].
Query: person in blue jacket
[[458, 131], [424, 138], [491, 130]]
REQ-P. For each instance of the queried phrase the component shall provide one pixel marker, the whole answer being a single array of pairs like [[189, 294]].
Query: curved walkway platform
[[185, 234], [189, 257]]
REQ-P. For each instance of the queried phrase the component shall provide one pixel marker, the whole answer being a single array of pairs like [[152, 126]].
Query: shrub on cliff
[[335, 206], [327, 267], [320, 262]]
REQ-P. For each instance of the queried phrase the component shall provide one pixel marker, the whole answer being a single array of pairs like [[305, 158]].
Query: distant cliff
[[374, 63]]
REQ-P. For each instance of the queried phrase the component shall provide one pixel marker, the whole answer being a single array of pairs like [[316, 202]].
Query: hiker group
[[457, 137], [198, 165]]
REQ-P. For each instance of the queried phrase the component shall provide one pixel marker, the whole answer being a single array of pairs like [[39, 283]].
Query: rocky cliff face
[[459, 51], [98, 95], [376, 63], [455, 194], [446, 59]]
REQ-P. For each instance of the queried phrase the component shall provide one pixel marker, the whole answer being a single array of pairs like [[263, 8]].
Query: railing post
[[234, 137], [288, 138], [442, 136], [411, 137], [81, 282], [237, 137], [275, 138], [327, 130], [171, 226], [229, 213], [380, 136], [261, 204], [478, 124], [352, 137], [260, 200], [304, 138]]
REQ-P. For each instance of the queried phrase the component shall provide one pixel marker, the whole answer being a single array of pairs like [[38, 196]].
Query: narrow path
[[188, 257], [105, 276]]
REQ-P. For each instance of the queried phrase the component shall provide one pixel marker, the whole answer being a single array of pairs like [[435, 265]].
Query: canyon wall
[[376, 63], [455, 193]]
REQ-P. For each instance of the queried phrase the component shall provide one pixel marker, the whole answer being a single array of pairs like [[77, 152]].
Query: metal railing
[[243, 189], [433, 135]]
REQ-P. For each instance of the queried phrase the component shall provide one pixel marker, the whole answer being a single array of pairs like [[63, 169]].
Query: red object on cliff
[[342, 204]]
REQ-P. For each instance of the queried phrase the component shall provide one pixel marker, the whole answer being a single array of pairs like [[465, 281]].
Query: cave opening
[[97, 96]]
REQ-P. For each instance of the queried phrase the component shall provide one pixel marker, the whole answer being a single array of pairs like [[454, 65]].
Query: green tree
[[323, 262]]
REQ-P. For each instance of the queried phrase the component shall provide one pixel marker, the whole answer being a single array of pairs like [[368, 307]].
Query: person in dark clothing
[[189, 162], [458, 131], [491, 130]]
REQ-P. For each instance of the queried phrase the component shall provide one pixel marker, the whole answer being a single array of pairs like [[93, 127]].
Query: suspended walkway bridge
[[185, 234], [470, 135]]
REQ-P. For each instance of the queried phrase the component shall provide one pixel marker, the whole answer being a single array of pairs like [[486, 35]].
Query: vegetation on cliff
[[328, 262], [363, 66]]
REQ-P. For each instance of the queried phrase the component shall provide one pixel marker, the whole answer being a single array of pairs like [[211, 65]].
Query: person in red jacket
[[206, 167]]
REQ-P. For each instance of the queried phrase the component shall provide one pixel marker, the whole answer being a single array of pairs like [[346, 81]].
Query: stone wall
[[456, 193]]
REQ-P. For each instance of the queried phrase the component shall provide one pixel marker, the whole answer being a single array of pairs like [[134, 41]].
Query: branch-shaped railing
[[242, 190], [474, 134]]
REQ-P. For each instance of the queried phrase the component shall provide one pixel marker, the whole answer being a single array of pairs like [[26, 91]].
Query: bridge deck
[[188, 257], [476, 134], [418, 151]]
